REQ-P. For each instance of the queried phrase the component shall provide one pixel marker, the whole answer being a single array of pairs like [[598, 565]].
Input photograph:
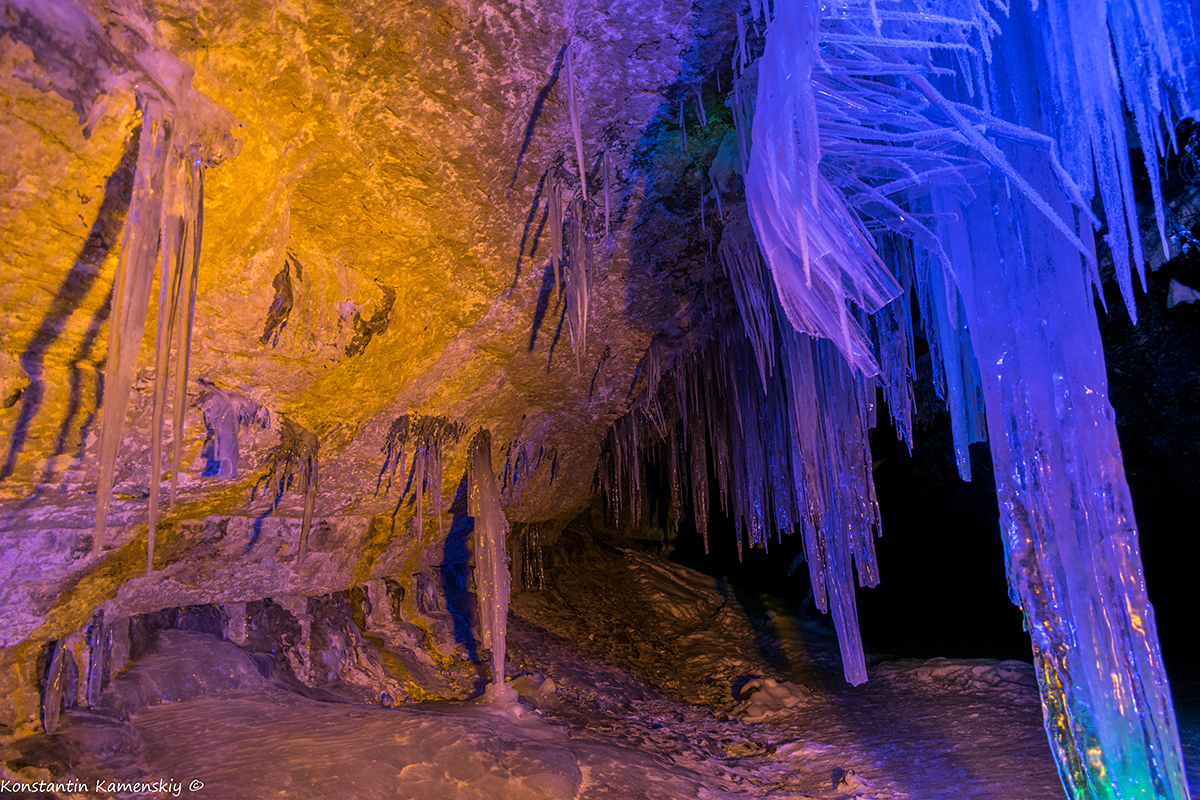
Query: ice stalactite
[[740, 257], [429, 436], [179, 244], [225, 411], [492, 580], [576, 128], [963, 152], [293, 459], [788, 453], [579, 280], [131, 301], [181, 134]]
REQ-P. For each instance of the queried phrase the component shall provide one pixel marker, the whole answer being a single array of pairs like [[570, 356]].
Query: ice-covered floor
[[630, 668]]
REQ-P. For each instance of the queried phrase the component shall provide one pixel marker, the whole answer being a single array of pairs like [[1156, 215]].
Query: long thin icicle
[[575, 126], [131, 296], [185, 313], [178, 241], [579, 281]]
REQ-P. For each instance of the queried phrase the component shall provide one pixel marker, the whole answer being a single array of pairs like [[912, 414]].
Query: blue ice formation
[[961, 152]]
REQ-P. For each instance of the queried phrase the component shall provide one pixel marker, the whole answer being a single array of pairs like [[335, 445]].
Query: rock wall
[[376, 250]]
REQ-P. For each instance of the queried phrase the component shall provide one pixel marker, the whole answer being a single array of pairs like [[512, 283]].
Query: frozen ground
[[639, 678]]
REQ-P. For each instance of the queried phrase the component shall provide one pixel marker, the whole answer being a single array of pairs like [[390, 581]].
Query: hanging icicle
[[131, 299], [429, 436], [182, 133], [579, 281], [293, 460], [575, 126], [788, 451], [393, 452]]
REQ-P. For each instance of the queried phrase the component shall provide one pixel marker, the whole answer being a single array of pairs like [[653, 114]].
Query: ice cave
[[599, 399]]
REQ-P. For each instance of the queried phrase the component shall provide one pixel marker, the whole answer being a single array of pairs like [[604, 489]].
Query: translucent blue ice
[[967, 147]]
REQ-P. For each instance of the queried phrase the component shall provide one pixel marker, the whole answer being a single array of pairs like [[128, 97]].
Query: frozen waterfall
[[952, 153]]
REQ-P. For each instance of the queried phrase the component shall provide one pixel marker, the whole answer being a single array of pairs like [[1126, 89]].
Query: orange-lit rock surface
[[392, 176]]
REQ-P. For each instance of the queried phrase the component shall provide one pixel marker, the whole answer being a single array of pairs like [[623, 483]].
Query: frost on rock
[[492, 580], [181, 134]]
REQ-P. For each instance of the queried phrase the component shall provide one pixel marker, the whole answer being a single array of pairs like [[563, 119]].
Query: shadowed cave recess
[[653, 399]]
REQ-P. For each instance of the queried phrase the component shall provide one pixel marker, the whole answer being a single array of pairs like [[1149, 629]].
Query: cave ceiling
[[391, 166], [374, 247]]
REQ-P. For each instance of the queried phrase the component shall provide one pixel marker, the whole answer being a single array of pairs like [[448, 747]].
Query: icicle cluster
[[394, 452], [789, 453], [429, 436], [182, 133], [571, 256], [943, 151], [492, 581], [295, 457], [572, 259]]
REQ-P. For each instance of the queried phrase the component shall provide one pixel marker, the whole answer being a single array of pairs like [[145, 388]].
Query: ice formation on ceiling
[[182, 133], [952, 151], [293, 460]]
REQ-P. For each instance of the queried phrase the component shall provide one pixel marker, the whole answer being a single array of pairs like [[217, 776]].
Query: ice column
[[492, 581], [1070, 538]]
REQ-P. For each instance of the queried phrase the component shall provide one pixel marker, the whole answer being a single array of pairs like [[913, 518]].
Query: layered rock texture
[[375, 261]]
